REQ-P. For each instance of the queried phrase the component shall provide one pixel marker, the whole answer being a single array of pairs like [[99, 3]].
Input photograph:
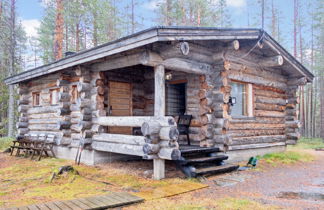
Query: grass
[[295, 153], [288, 157], [5, 143], [309, 143], [24, 182]]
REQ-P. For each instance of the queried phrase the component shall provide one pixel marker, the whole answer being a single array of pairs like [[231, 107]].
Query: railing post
[[159, 111]]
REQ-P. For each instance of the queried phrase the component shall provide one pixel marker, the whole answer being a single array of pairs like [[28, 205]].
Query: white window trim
[[250, 107]]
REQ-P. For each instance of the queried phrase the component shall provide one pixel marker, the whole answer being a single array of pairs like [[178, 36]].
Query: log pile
[[98, 91], [64, 109], [23, 105], [84, 127], [161, 136], [291, 114]]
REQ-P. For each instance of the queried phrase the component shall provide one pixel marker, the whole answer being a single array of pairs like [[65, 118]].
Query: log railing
[[159, 138]]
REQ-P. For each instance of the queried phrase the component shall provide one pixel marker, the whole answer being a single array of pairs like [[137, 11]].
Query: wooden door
[[120, 104]]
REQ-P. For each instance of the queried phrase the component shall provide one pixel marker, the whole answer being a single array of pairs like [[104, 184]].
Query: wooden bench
[[34, 144]]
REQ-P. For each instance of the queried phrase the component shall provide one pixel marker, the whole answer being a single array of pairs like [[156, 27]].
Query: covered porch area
[[141, 99]]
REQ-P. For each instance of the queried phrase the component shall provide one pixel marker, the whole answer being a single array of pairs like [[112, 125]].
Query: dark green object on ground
[[252, 161]]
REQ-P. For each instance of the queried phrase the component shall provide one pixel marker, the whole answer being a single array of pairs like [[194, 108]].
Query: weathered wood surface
[[133, 121], [111, 200], [119, 138]]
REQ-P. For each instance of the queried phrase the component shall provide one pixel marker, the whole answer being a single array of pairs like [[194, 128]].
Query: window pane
[[238, 92]]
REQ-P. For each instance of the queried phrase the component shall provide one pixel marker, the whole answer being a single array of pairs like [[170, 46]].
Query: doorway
[[120, 104]]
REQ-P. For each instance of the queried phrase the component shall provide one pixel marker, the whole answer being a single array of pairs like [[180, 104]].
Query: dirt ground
[[272, 186]]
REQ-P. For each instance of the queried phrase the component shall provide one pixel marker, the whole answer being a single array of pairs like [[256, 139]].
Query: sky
[[30, 13]]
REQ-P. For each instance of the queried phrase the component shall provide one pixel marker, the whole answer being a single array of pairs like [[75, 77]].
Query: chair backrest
[[50, 138], [184, 120]]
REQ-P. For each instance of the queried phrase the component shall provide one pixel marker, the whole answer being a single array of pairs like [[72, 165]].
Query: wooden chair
[[183, 125], [44, 146]]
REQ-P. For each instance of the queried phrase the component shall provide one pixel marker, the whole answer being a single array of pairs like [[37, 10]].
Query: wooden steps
[[111, 200], [200, 161]]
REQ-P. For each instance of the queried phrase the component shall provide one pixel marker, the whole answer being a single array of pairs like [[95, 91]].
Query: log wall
[[274, 108]]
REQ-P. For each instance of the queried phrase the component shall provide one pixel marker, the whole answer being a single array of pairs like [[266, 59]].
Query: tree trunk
[[58, 36], [11, 103], [77, 37], [322, 106]]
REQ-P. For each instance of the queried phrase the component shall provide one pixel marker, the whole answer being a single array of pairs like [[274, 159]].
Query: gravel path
[[266, 186]]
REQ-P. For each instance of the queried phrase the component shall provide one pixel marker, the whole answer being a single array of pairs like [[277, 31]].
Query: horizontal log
[[133, 121], [273, 61], [168, 144], [42, 109], [169, 133], [269, 107], [255, 146], [21, 124], [260, 132], [118, 148], [83, 103], [266, 100], [293, 124], [297, 81], [23, 119], [293, 136], [23, 108], [265, 113], [259, 80], [23, 101], [22, 131], [188, 66], [62, 111], [259, 139], [119, 138], [62, 82], [43, 127], [252, 126]]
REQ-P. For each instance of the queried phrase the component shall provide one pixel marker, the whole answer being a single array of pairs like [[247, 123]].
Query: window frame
[[51, 96], [248, 112], [75, 97], [36, 98]]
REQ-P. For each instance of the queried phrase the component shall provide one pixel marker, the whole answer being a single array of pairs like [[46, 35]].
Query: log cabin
[[124, 97]]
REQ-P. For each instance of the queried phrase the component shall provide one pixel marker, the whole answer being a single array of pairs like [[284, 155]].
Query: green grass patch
[[309, 143], [5, 143], [288, 157]]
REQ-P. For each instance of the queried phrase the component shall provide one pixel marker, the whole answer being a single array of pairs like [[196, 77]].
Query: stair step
[[215, 170], [200, 160], [198, 150]]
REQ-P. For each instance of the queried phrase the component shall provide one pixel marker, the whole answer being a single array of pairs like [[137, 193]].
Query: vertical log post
[[159, 111]]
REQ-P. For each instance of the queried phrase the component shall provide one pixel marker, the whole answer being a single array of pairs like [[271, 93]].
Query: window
[[242, 100], [54, 96], [175, 99], [74, 94], [36, 98]]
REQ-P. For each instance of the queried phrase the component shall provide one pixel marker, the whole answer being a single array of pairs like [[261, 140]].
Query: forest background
[[37, 32]]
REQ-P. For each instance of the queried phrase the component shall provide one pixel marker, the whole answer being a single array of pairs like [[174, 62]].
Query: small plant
[[5, 143]]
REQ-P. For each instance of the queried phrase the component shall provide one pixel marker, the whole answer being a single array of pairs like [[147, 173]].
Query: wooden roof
[[160, 34]]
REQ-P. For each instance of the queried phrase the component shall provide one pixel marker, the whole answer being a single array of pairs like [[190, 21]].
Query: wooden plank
[[42, 206], [80, 204], [23, 208], [112, 202], [52, 206], [33, 207], [95, 201], [61, 205], [71, 205], [88, 203]]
